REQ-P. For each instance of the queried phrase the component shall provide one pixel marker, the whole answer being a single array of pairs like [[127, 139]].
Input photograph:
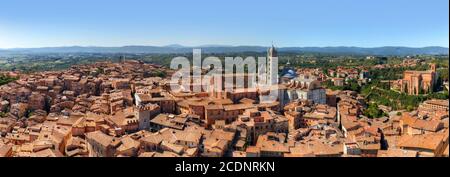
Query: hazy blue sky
[[363, 23]]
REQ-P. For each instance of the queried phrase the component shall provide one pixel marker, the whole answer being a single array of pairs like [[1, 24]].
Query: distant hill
[[401, 51], [373, 51]]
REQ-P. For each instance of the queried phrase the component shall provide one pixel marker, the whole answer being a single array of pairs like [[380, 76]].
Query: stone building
[[36, 101], [100, 144], [305, 88], [418, 82], [145, 113]]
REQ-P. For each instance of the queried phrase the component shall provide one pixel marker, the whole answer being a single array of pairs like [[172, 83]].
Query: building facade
[[418, 82]]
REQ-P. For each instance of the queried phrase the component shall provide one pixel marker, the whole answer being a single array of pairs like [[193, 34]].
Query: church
[[299, 87], [417, 82]]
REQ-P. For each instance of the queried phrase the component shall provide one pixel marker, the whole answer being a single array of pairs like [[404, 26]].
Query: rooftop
[[100, 138], [426, 141], [171, 121]]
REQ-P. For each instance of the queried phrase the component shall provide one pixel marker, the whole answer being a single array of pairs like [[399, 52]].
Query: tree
[[354, 86], [6, 79], [160, 73], [443, 74], [410, 108], [328, 83], [373, 112]]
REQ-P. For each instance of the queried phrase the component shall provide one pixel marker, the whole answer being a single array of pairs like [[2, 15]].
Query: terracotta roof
[[213, 107], [265, 144], [178, 149], [432, 125], [247, 101], [154, 139], [100, 137], [426, 141], [170, 121], [147, 154], [396, 153], [213, 143], [68, 121], [238, 107], [239, 154], [144, 97], [220, 134], [5, 149], [318, 148], [408, 119], [166, 154], [349, 124], [188, 136], [253, 149], [48, 153], [444, 103], [446, 152], [128, 143]]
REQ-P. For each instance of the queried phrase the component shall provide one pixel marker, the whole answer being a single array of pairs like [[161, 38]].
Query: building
[[218, 143], [145, 113], [161, 121], [396, 153], [6, 150], [165, 101], [352, 148], [100, 144], [294, 116], [257, 123], [435, 109], [316, 149], [288, 73], [445, 154], [364, 74], [338, 82], [306, 88], [36, 101], [6, 126], [272, 145], [320, 114], [427, 145], [412, 125], [122, 122], [418, 82]]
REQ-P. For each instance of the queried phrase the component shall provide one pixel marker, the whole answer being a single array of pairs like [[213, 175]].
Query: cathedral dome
[[289, 73]]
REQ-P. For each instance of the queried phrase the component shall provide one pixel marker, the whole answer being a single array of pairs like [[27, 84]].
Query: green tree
[[6, 79], [373, 112]]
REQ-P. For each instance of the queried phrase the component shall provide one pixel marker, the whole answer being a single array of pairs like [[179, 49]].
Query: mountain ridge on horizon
[[212, 48]]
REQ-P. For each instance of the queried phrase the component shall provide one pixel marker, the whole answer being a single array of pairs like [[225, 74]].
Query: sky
[[285, 23]]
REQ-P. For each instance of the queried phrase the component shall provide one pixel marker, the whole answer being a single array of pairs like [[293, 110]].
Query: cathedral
[[417, 82], [298, 87]]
